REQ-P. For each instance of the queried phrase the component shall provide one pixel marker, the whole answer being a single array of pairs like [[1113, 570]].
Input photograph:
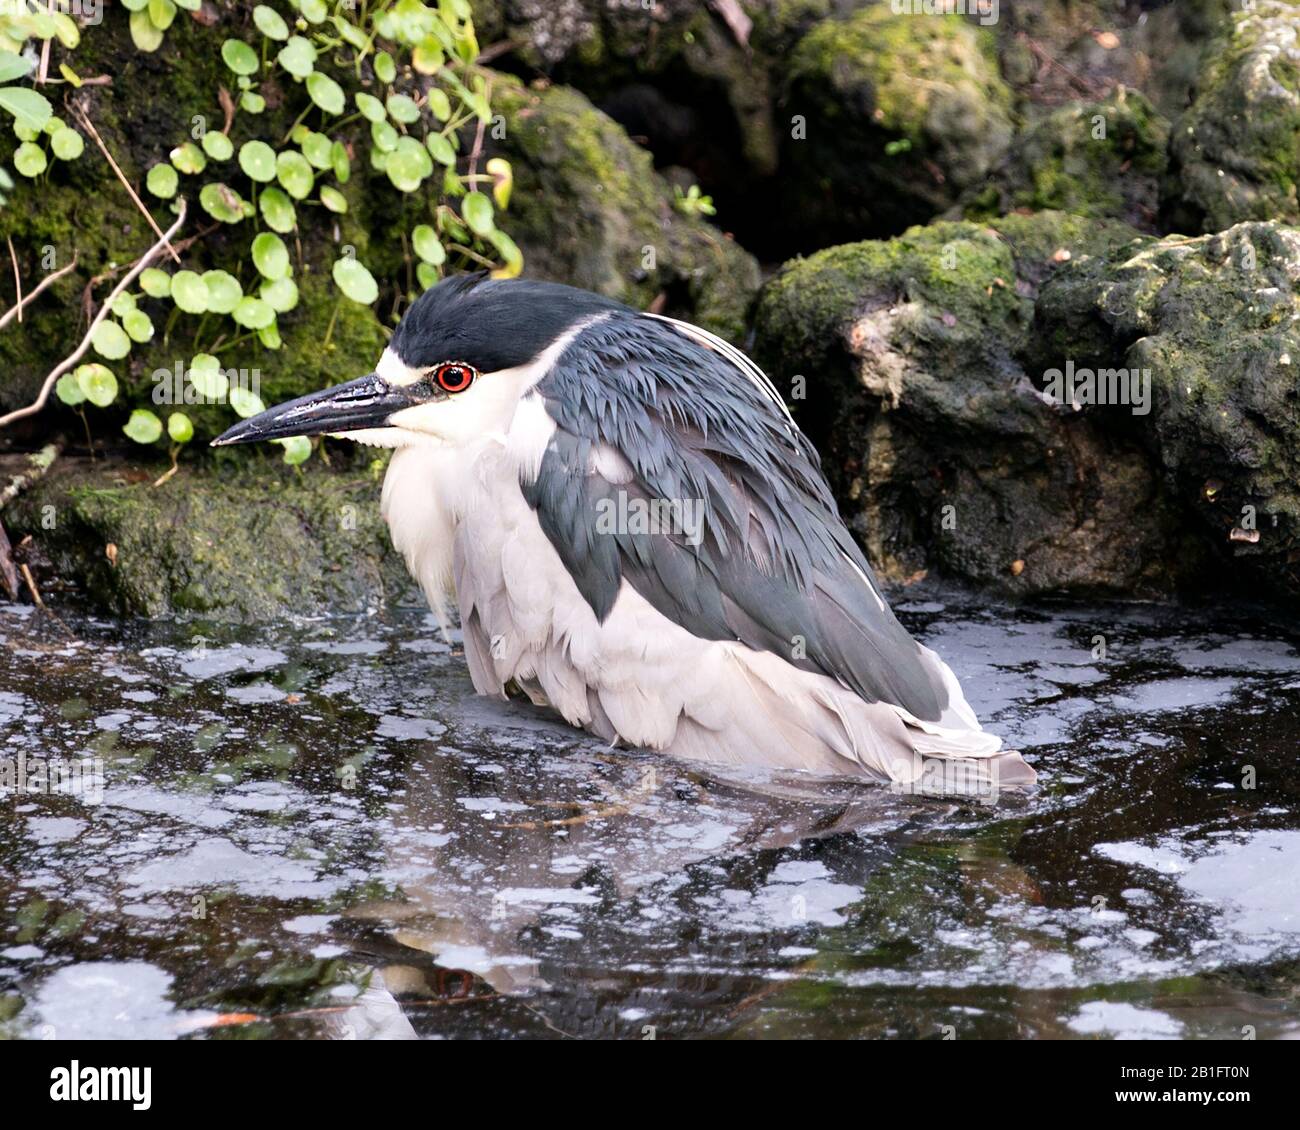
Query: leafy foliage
[[391, 84]]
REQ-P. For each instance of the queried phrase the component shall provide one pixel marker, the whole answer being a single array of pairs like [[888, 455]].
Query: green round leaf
[[370, 106], [14, 66], [123, 304], [384, 136], [253, 314], [137, 325], [297, 449], [427, 245], [277, 210], [313, 11], [190, 292], [333, 199], [143, 426], [270, 23], [161, 13], [477, 212], [355, 280], [325, 92], [251, 101], [155, 283], [221, 202], [96, 384], [29, 159], [30, 110], [110, 340], [207, 378], [385, 68], [257, 159], [243, 401], [441, 149], [270, 336], [317, 148], [439, 104], [239, 57], [180, 428], [293, 172], [189, 158], [224, 291], [144, 33], [408, 165], [512, 257], [162, 181], [427, 274], [217, 145], [342, 165], [67, 144], [297, 56], [402, 108], [270, 256], [280, 294], [69, 391]]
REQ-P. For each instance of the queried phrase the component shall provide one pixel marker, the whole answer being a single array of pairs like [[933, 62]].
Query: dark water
[[317, 830]]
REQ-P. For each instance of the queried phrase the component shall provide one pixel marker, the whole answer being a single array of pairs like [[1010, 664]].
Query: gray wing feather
[[775, 567]]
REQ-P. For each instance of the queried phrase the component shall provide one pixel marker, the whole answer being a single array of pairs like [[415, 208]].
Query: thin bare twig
[[18, 280], [89, 127], [72, 358], [31, 585], [17, 307], [477, 151]]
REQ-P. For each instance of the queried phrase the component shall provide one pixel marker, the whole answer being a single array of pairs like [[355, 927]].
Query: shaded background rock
[[1095, 159], [589, 210], [902, 113], [1236, 152]]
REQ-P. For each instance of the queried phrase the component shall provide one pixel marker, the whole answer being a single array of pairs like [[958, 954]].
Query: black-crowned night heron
[[639, 536]]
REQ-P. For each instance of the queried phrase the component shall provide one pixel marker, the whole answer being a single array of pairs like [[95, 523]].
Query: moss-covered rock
[[1098, 159], [942, 452], [226, 543], [890, 118], [589, 209], [1215, 322], [1235, 154]]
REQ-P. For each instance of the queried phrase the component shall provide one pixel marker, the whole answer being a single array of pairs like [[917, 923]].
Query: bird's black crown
[[491, 323]]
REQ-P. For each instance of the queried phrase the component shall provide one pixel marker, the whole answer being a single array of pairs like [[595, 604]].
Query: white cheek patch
[[394, 371]]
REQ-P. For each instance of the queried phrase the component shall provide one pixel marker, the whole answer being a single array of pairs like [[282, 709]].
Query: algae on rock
[[1235, 154], [225, 543], [1100, 160], [942, 451], [890, 118]]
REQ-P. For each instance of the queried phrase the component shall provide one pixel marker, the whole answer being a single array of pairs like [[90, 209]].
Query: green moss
[[589, 209], [891, 118], [909, 65], [1100, 159], [969, 282], [1236, 153], [230, 544]]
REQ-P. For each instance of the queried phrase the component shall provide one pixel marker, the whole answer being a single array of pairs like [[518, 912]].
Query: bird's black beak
[[366, 402]]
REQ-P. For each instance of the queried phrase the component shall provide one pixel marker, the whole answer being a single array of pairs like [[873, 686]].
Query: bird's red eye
[[454, 376]]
